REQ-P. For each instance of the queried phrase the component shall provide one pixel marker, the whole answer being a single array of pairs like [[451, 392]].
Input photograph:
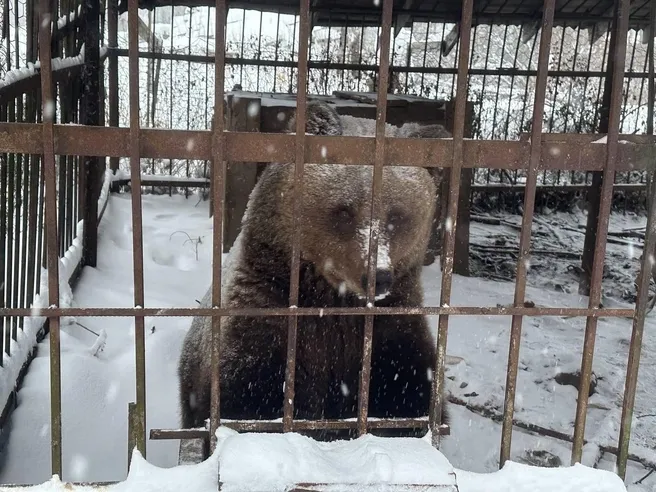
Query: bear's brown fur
[[334, 245]]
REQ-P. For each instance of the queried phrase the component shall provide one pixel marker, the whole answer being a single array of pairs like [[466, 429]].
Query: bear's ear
[[414, 130], [320, 119]]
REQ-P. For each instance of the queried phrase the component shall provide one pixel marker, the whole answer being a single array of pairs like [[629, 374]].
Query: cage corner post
[[621, 16], [594, 195], [90, 106], [112, 60]]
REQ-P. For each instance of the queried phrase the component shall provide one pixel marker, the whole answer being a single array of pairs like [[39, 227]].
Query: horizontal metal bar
[[352, 311], [356, 14], [172, 181], [564, 152], [296, 425], [494, 187], [328, 65], [371, 487]]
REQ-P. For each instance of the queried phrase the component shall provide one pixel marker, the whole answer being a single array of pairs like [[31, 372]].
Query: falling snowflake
[[345, 390], [49, 110], [253, 110], [554, 151], [79, 466]]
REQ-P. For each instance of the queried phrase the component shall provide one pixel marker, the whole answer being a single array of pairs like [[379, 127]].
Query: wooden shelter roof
[[355, 12]]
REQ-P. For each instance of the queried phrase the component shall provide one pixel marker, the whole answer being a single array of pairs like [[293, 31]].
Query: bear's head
[[336, 220], [336, 212]]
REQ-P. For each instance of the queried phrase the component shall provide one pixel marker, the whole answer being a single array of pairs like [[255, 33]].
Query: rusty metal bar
[[48, 145], [3, 242], [630, 385], [376, 210], [646, 269], [457, 159], [326, 64], [137, 236], [297, 190], [650, 56], [525, 236], [297, 425], [90, 104], [218, 187], [612, 144], [10, 270], [559, 151], [112, 41], [351, 311]]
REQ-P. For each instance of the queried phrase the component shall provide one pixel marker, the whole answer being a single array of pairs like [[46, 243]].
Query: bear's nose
[[384, 280]]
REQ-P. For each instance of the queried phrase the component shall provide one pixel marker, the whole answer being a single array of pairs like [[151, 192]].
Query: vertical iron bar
[[299, 169], [3, 239], [275, 54], [191, 11], [11, 210], [635, 346], [24, 233], [499, 78], [137, 236], [51, 233], [33, 218], [90, 109], [557, 78], [452, 214], [18, 261], [218, 179], [112, 41], [376, 208], [646, 267], [650, 54], [572, 79], [259, 53], [622, 13], [528, 80], [527, 221]]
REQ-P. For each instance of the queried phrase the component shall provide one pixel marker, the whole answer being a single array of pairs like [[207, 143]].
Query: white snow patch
[[253, 462], [25, 342]]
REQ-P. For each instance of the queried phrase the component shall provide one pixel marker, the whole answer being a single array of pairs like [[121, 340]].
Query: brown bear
[[334, 246]]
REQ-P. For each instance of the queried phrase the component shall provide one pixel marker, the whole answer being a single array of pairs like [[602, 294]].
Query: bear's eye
[[396, 220], [343, 220]]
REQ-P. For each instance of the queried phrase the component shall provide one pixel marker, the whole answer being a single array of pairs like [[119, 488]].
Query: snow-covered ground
[[96, 389]]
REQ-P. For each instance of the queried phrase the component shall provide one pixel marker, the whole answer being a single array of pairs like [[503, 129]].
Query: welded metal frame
[[566, 152]]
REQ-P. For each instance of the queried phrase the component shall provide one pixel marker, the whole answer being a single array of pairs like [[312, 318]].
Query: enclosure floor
[[96, 390]]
